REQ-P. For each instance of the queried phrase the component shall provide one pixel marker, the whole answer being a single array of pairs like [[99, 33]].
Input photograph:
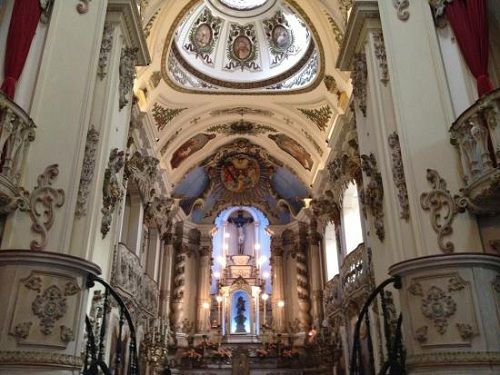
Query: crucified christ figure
[[240, 222]]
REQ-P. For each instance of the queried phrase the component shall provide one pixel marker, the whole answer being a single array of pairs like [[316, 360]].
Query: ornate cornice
[[40, 359]]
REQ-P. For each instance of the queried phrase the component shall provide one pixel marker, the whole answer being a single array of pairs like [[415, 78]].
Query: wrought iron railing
[[395, 362], [95, 351]]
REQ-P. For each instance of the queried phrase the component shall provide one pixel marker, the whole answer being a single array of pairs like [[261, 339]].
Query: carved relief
[[40, 359], [398, 175], [359, 78], [443, 208], [105, 51], [111, 189], [83, 6], [128, 61], [88, 168], [378, 43], [438, 306], [465, 330], [142, 170], [157, 214], [373, 193], [402, 9], [40, 205], [44, 300]]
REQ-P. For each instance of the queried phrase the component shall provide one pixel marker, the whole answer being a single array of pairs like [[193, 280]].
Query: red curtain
[[470, 24], [23, 23]]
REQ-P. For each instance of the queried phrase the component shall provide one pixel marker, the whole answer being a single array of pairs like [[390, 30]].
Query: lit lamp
[[219, 300], [206, 306], [264, 297], [281, 304]]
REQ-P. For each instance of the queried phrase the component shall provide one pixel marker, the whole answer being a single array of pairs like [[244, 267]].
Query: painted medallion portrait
[[203, 36], [281, 37], [242, 47], [239, 173]]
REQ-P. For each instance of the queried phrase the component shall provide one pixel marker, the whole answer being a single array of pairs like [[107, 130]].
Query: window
[[331, 256], [351, 218]]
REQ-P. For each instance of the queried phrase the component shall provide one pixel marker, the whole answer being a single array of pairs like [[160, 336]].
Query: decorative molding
[[378, 43], [111, 189], [453, 359], [22, 330], [49, 307], [398, 175], [421, 334], [143, 171], [40, 359], [163, 116], [331, 85], [320, 116], [155, 79], [40, 205], [83, 6], [241, 111], [438, 307], [46, 7], [171, 138], [373, 193], [241, 127], [105, 51], [88, 168], [438, 8], [359, 78], [313, 142], [443, 208], [150, 23], [337, 31], [157, 214], [128, 61], [465, 330], [402, 9]]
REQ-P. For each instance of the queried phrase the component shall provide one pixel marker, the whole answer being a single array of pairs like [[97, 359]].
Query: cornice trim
[[128, 9]]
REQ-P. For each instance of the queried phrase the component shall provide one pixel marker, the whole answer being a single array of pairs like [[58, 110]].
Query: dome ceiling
[[228, 46]]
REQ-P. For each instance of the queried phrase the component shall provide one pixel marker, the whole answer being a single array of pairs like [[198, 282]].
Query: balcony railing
[[17, 130], [130, 281], [356, 278], [476, 133]]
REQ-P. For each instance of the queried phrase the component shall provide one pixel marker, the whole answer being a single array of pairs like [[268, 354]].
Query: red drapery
[[23, 23], [470, 24]]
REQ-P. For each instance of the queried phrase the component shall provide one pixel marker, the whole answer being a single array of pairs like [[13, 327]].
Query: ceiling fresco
[[240, 173], [243, 100], [272, 51]]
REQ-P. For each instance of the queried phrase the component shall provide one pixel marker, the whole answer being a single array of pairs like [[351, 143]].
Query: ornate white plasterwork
[[40, 204], [88, 168], [105, 51], [112, 191], [128, 61], [443, 206], [398, 175], [359, 77], [378, 43], [402, 9]]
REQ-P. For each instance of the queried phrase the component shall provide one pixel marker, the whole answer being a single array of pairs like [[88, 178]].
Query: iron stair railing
[[94, 357], [395, 362]]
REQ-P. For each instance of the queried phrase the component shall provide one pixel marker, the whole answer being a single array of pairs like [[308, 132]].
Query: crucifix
[[240, 222]]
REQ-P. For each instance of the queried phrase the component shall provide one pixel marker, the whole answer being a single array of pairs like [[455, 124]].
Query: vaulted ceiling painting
[[221, 136]]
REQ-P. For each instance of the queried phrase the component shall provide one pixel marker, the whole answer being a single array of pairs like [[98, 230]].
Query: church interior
[[249, 187]]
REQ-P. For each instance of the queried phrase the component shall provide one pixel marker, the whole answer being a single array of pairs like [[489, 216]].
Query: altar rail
[[476, 134]]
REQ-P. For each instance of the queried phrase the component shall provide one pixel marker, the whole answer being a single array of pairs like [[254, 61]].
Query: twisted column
[[203, 323], [316, 285], [179, 282], [277, 283], [303, 289]]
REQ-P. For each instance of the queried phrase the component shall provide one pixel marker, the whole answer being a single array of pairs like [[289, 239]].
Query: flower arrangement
[[223, 353], [192, 355]]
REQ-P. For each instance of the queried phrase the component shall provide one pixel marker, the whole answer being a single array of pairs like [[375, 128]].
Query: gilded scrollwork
[[443, 206], [40, 205]]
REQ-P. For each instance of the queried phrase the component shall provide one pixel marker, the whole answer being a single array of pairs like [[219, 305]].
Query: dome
[[250, 46]]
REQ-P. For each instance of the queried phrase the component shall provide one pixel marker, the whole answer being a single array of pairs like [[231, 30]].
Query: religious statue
[[240, 222], [240, 318]]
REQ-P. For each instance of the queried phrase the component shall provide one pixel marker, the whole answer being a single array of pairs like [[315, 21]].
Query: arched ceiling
[[290, 129]]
